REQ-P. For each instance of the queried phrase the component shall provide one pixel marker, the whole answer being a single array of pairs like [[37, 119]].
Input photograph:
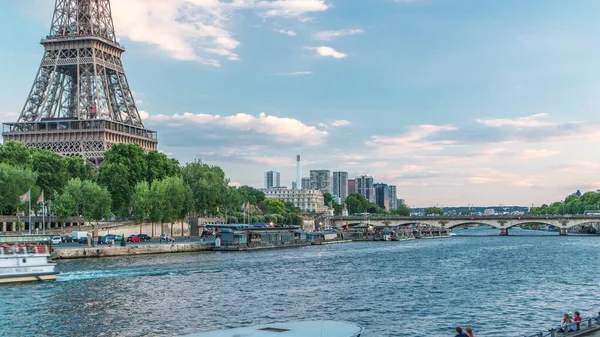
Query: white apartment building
[[306, 200]]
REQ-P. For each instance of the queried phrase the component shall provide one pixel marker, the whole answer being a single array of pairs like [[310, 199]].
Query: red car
[[133, 238]]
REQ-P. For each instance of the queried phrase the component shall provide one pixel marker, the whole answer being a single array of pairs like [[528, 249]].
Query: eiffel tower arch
[[80, 102]]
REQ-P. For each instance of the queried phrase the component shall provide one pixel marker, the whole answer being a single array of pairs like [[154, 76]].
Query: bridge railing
[[586, 324]]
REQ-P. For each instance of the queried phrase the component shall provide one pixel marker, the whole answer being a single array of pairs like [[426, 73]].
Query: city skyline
[[451, 110]]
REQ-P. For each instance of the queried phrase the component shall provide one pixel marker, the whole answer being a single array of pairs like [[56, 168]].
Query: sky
[[456, 102]]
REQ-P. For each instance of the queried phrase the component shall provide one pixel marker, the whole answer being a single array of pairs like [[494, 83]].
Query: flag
[[41, 198], [243, 207], [25, 197]]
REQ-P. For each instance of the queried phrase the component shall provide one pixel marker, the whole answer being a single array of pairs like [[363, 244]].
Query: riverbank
[[95, 252]]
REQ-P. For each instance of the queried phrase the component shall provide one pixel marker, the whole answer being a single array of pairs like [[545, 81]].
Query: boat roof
[[292, 329]]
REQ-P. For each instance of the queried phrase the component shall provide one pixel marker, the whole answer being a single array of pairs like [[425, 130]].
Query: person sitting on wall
[[459, 332]]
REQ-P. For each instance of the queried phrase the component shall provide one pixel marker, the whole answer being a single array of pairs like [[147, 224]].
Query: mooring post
[[552, 333]]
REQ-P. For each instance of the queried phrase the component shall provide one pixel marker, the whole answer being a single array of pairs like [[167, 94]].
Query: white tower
[[298, 173]]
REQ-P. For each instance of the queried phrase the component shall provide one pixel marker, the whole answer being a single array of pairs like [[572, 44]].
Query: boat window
[[274, 329], [24, 260]]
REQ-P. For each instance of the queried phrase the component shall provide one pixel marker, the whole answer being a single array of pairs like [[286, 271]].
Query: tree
[[251, 195], [140, 201], [14, 182], [208, 186], [402, 210], [51, 170], [274, 206], [434, 210], [95, 201], [15, 154], [232, 200], [131, 156], [116, 178], [328, 198], [79, 168], [357, 203], [160, 166]]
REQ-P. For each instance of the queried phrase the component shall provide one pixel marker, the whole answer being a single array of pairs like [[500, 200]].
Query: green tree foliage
[[290, 208], [51, 170], [141, 201], [208, 186], [328, 199], [402, 210], [357, 203], [434, 211], [15, 154], [116, 178], [96, 201], [160, 166], [131, 156], [83, 198], [232, 200], [79, 168], [14, 182], [573, 204], [274, 207], [251, 195], [172, 192]]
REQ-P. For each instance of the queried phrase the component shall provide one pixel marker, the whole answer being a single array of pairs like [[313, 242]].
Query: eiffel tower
[[80, 102]]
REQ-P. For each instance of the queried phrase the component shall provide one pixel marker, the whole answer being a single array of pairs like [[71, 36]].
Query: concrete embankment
[[79, 253]]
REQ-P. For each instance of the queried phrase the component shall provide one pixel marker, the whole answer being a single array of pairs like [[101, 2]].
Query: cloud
[[328, 52], [416, 139], [297, 73], [535, 154], [525, 122], [282, 130], [331, 34], [198, 30], [286, 32], [339, 123]]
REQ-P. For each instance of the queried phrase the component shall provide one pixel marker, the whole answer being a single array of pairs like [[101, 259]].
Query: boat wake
[[123, 273]]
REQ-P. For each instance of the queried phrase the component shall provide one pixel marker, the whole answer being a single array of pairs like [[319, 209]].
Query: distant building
[[351, 186], [489, 211], [306, 183], [272, 180], [306, 200], [340, 185], [401, 202], [294, 186], [345, 211], [393, 197], [320, 180], [364, 186], [382, 196]]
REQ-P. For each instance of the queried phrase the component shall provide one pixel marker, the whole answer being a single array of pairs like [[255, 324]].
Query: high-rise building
[[393, 197], [320, 180], [272, 180], [340, 185], [81, 103], [294, 186], [306, 183], [382, 196], [364, 186], [401, 202], [351, 186]]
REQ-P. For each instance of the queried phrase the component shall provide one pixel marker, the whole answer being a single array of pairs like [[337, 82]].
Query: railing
[[586, 324]]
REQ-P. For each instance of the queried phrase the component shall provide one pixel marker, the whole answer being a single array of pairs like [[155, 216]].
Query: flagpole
[[43, 215], [29, 197]]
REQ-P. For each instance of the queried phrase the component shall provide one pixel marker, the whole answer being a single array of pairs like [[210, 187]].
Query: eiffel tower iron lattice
[[80, 102]]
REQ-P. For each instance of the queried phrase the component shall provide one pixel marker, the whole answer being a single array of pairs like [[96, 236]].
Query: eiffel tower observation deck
[[80, 102]]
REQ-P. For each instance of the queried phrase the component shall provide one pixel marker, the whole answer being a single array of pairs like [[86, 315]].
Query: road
[[178, 240]]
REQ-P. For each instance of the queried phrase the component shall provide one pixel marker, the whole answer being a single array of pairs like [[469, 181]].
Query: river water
[[501, 286]]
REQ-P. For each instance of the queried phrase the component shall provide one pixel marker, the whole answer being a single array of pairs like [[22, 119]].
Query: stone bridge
[[501, 222]]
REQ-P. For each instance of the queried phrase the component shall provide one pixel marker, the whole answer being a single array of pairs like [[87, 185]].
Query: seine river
[[501, 286]]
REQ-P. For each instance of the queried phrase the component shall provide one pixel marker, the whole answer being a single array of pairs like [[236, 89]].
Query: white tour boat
[[292, 329], [25, 263]]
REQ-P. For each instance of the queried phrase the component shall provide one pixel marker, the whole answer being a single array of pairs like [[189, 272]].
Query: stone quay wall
[[79, 253]]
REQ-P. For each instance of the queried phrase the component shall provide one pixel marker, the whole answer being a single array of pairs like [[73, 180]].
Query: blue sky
[[455, 101]]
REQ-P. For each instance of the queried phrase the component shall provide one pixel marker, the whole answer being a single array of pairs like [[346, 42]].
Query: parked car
[[133, 238], [114, 237], [105, 240], [83, 239], [66, 238], [56, 240], [144, 237]]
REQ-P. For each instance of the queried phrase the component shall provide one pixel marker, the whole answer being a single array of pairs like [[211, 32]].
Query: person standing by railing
[[577, 320]]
